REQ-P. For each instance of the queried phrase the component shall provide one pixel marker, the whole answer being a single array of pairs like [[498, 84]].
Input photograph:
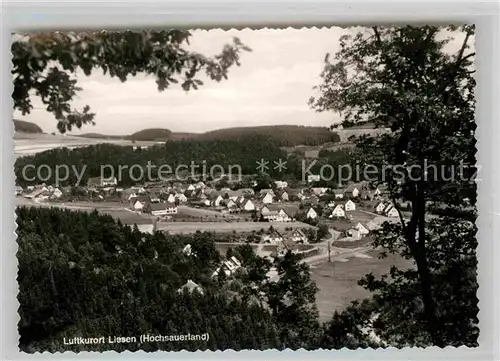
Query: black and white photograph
[[254, 189]]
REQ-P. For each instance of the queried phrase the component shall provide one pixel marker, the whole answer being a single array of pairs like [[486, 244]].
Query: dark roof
[[141, 199], [161, 206]]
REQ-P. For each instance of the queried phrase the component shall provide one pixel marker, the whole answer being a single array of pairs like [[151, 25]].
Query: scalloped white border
[[74, 15]]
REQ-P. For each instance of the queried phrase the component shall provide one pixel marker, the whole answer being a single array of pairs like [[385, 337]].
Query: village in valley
[[280, 215]]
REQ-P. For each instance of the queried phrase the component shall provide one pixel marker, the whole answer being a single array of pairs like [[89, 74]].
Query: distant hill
[[26, 127], [151, 134], [99, 136], [280, 135]]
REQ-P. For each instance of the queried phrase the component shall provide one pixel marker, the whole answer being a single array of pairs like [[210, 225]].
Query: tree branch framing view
[[286, 255]]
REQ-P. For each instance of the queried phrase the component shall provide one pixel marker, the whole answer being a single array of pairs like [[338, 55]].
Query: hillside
[[281, 135], [26, 127], [151, 134], [100, 136]]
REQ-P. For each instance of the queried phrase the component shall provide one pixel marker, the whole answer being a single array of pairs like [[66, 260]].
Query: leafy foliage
[[86, 274], [43, 64], [26, 127], [403, 79]]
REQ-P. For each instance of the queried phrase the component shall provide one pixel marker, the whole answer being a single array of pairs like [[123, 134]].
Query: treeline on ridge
[[85, 274], [228, 154], [281, 135]]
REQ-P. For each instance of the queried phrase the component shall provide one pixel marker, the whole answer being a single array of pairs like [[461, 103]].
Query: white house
[[313, 178], [271, 237], [155, 199], [248, 205], [181, 197], [380, 207], [171, 198], [339, 193], [276, 216], [229, 203], [319, 191], [190, 287], [281, 184], [283, 196], [371, 225], [352, 190], [338, 211], [187, 250], [217, 199], [267, 198], [138, 205], [160, 209], [354, 234], [109, 182], [229, 267], [311, 213], [362, 229], [138, 189], [57, 193], [298, 236], [349, 206], [391, 212]]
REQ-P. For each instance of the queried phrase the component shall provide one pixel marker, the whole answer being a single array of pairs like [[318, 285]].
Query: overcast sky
[[272, 86]]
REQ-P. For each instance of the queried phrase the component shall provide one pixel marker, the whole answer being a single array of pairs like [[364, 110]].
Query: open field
[[29, 144], [225, 227], [338, 281]]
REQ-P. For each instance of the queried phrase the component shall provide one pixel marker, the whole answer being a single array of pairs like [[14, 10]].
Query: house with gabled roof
[[391, 211], [281, 184], [271, 236], [247, 191], [160, 209], [228, 203], [139, 202], [295, 194], [338, 193], [181, 197], [348, 205], [380, 207], [282, 195], [191, 287], [319, 191], [363, 230], [338, 211], [215, 199], [18, 190], [266, 198], [353, 190], [311, 213], [247, 205], [266, 190], [229, 267], [234, 195], [296, 235]]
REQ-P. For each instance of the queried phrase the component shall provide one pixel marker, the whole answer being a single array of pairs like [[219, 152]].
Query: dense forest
[[281, 135], [151, 134], [228, 154], [85, 274], [26, 127], [203, 153]]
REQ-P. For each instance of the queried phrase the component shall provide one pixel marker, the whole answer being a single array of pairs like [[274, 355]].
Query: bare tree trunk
[[420, 255]]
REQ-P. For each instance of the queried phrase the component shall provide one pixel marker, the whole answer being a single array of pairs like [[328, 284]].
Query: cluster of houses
[[40, 192], [276, 204]]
